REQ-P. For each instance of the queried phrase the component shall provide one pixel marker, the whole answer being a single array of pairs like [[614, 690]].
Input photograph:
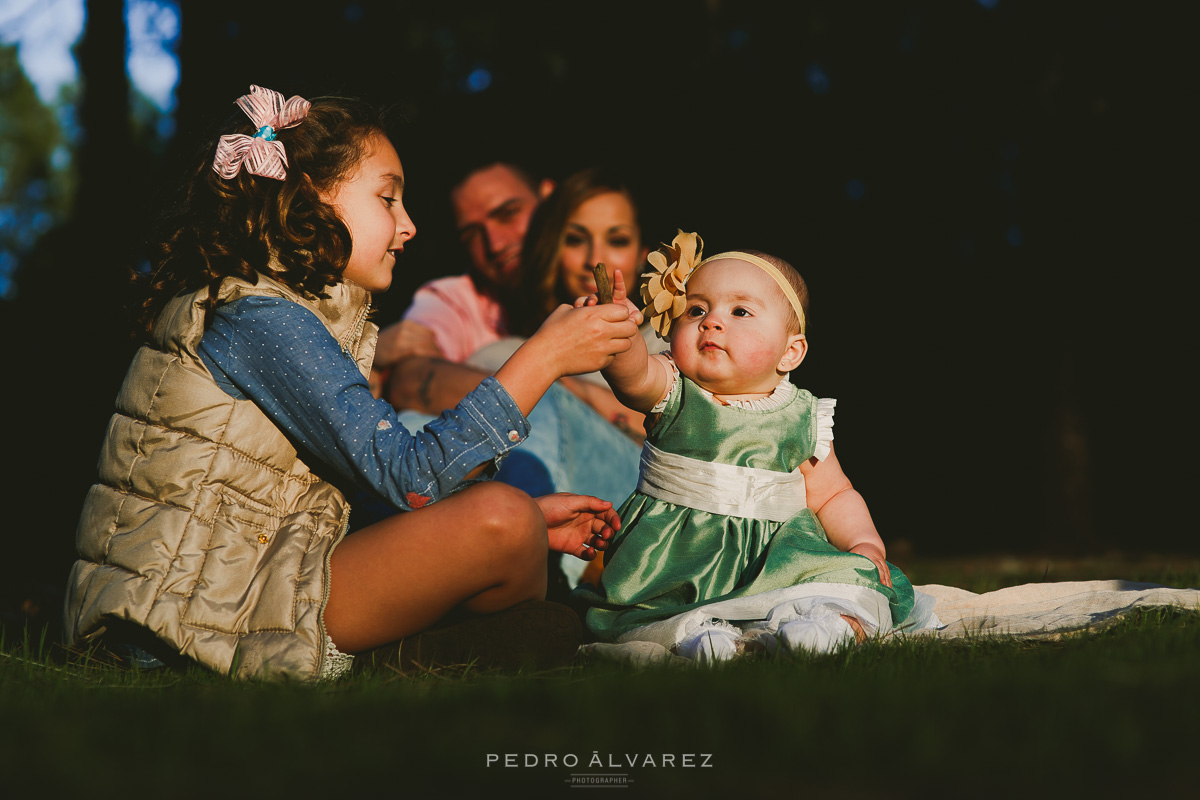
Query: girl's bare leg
[[482, 549]]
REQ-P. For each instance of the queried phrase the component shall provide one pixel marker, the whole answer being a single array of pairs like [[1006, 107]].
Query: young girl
[[743, 531], [217, 524]]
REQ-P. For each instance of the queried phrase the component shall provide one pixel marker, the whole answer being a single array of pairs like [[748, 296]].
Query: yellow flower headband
[[664, 290]]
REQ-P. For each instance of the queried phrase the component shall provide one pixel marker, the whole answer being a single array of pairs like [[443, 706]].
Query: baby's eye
[[695, 311], [389, 200], [741, 312]]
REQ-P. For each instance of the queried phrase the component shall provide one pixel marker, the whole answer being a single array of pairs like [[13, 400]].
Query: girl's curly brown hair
[[248, 225]]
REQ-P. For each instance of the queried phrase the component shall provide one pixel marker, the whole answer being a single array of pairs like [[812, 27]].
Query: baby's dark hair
[[251, 225], [792, 275]]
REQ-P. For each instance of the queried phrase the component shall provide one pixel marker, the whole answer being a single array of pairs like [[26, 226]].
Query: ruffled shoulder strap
[[672, 380], [825, 406]]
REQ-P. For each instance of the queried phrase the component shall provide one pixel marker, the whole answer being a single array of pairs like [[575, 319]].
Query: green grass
[[1099, 713]]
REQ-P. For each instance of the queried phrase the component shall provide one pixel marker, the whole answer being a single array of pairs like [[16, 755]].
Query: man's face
[[492, 208]]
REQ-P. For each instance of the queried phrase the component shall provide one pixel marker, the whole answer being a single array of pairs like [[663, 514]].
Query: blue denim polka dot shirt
[[280, 356]]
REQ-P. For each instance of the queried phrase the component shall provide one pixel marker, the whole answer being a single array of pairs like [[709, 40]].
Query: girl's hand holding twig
[[572, 341], [578, 524], [585, 339]]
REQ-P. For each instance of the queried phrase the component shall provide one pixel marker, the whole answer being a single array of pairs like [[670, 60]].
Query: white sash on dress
[[721, 488]]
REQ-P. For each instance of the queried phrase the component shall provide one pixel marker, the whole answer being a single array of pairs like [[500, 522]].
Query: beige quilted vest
[[205, 527]]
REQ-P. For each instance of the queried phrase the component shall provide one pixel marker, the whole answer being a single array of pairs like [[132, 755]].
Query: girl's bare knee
[[513, 521]]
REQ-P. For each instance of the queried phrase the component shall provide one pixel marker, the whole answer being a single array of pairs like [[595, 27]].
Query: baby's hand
[[872, 552], [620, 297]]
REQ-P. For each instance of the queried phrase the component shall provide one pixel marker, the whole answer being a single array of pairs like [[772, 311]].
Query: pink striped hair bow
[[260, 154]]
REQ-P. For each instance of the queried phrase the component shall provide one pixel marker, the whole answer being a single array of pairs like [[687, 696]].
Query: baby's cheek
[[760, 356], [763, 366], [684, 340]]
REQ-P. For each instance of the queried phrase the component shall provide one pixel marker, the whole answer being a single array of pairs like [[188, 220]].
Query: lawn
[[1103, 713]]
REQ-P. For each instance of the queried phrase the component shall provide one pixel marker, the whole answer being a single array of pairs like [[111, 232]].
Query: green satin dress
[[669, 559]]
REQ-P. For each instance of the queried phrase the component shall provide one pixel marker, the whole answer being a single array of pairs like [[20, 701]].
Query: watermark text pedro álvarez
[[597, 761]]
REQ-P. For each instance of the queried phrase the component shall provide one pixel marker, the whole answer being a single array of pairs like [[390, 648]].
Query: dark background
[[988, 200]]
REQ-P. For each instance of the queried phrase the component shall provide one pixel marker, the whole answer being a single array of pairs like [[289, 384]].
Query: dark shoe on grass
[[536, 633]]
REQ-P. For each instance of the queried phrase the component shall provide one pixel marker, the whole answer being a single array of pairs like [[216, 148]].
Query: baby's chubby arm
[[637, 378], [843, 512]]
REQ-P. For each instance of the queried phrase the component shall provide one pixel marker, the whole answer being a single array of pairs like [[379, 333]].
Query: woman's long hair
[[537, 292], [250, 225]]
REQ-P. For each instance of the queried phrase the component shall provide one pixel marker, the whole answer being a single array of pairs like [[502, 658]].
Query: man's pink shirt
[[462, 319]]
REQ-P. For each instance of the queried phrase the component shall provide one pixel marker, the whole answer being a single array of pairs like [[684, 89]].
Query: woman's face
[[602, 230]]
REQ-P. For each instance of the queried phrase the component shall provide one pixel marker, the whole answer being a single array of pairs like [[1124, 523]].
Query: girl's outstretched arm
[[638, 379], [843, 512], [280, 356]]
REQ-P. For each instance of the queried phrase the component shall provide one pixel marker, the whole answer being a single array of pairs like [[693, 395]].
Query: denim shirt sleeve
[[279, 355]]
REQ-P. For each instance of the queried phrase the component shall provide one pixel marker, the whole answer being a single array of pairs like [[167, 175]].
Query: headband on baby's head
[[664, 290]]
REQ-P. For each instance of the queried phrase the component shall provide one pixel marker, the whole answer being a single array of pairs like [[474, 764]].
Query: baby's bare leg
[[482, 549], [859, 634]]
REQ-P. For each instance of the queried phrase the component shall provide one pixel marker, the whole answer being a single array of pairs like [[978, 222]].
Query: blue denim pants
[[570, 448]]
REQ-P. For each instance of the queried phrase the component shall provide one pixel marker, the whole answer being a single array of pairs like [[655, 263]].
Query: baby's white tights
[[803, 626], [807, 625], [816, 635], [710, 644]]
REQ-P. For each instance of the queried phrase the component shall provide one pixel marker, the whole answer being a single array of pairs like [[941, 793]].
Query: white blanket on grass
[[1040, 609], [1032, 610]]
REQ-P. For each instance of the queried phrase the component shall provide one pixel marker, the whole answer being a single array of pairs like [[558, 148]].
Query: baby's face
[[732, 338]]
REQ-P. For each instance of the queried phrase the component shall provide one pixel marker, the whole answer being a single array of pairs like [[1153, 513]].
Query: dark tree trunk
[[68, 336]]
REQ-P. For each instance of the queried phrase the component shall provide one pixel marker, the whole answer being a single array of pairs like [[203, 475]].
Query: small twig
[[603, 287]]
